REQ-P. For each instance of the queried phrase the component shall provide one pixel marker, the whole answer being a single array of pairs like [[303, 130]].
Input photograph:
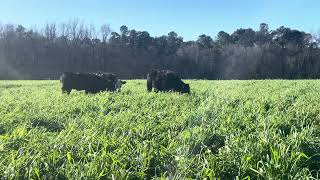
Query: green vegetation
[[223, 129]]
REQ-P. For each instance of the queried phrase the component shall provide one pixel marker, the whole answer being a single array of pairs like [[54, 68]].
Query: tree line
[[78, 47]]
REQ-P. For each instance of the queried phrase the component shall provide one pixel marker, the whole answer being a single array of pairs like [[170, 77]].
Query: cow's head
[[185, 88], [118, 84]]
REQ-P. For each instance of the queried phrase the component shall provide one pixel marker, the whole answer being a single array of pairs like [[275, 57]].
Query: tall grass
[[222, 130]]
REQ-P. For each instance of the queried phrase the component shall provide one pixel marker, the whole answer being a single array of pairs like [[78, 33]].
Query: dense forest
[[31, 53]]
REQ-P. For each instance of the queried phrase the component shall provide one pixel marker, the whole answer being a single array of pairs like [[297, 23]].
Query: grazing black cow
[[91, 83], [165, 80], [112, 78]]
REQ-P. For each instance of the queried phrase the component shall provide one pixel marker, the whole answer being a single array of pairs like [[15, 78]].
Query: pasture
[[223, 129]]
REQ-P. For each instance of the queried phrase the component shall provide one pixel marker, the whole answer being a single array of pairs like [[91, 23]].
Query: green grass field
[[223, 129]]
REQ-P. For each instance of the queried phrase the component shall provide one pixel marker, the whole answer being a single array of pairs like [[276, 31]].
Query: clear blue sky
[[189, 18]]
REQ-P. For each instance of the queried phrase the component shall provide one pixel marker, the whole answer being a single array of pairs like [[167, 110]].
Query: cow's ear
[[123, 82]]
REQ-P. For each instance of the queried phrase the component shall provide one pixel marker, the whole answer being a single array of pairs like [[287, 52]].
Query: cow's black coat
[[91, 83], [166, 80], [110, 76], [113, 79]]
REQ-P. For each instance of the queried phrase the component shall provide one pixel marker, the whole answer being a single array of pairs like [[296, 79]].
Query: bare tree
[[105, 32], [50, 31]]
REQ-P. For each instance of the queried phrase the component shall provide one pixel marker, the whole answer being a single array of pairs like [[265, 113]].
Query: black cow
[[91, 83], [166, 80], [112, 78]]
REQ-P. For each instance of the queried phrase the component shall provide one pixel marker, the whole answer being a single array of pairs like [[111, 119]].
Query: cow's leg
[[91, 91], [65, 90], [156, 85], [149, 84], [97, 91]]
